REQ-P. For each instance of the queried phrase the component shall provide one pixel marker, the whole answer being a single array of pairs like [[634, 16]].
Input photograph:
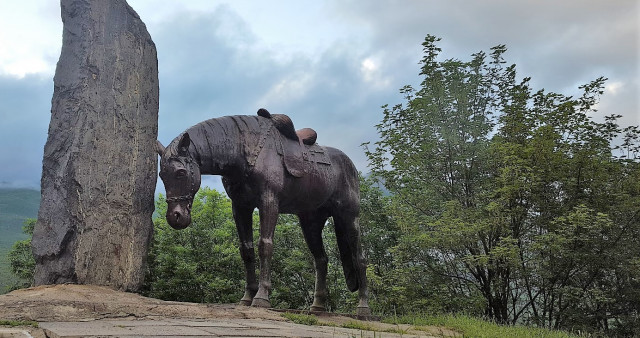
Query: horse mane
[[219, 128], [244, 128]]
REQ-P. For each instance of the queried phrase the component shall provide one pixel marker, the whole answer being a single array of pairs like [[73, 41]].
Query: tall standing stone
[[99, 166]]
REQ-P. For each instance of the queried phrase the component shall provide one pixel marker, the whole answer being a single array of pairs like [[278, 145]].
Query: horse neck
[[217, 146]]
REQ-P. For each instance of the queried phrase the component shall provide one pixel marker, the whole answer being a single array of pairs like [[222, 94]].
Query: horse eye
[[181, 173]]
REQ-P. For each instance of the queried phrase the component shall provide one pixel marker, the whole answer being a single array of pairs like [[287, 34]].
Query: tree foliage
[[513, 194], [21, 259], [200, 263]]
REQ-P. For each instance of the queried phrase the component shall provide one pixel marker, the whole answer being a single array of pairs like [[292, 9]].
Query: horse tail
[[345, 210], [346, 225]]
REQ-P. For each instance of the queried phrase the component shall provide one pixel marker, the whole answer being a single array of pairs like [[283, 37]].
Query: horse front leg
[[268, 220], [243, 217]]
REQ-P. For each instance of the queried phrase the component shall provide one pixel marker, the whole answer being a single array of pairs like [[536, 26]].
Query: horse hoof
[[316, 308], [363, 311], [259, 302], [245, 302]]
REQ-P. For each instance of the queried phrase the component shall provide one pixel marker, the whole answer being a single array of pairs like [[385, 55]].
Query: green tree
[[433, 157], [292, 266], [488, 176], [554, 163], [200, 263], [21, 259]]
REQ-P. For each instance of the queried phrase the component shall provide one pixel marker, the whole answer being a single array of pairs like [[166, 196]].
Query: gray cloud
[[211, 72], [24, 111], [216, 63], [560, 44], [205, 71]]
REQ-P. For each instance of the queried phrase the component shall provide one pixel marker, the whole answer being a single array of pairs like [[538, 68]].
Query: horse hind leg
[[312, 225], [352, 257]]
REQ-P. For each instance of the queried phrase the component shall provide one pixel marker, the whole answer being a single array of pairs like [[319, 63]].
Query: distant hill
[[16, 205]]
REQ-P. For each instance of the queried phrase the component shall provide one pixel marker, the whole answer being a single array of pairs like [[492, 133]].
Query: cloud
[[212, 70], [370, 70], [33, 46], [213, 64], [24, 112], [560, 44], [614, 88], [330, 65], [206, 69]]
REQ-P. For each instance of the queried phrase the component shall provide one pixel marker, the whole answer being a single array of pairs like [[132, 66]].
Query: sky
[[328, 64]]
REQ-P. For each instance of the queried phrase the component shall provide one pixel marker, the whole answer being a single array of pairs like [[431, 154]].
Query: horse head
[[180, 174]]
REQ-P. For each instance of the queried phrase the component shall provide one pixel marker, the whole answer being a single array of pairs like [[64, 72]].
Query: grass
[[301, 318], [474, 327], [466, 326], [364, 327], [14, 323], [397, 331], [358, 326]]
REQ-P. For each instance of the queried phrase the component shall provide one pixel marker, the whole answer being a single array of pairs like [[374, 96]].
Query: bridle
[[179, 198], [189, 164]]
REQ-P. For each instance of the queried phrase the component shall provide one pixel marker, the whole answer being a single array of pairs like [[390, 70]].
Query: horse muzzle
[[179, 217]]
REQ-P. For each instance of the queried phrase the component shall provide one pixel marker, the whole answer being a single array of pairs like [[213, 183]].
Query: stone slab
[[194, 328], [14, 333]]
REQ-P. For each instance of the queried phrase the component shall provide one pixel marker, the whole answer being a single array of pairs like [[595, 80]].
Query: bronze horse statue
[[266, 164]]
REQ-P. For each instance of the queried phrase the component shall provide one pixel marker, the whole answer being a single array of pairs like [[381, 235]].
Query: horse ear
[[159, 148], [183, 145]]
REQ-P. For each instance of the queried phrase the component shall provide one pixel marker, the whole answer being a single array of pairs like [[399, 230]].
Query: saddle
[[294, 153]]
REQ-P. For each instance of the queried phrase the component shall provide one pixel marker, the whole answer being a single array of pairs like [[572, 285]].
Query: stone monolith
[[99, 165]]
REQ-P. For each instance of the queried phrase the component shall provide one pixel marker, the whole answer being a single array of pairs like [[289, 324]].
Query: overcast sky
[[328, 64]]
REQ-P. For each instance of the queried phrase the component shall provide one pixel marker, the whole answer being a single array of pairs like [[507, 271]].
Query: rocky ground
[[83, 310]]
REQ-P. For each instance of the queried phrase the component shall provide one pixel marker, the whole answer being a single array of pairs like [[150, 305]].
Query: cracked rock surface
[[68, 302], [95, 311], [99, 165]]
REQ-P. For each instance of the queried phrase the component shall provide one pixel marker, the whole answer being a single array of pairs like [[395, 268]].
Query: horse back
[[346, 193], [330, 180]]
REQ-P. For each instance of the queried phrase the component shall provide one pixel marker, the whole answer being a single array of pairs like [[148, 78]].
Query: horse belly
[[309, 192]]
